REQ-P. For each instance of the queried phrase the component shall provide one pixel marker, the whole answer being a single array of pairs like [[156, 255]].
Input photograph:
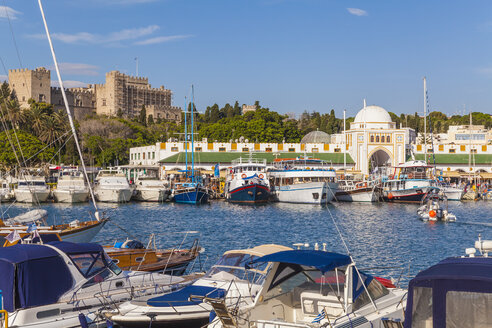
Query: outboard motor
[[439, 214]]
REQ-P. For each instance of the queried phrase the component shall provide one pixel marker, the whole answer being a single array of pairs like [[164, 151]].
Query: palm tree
[[37, 117]]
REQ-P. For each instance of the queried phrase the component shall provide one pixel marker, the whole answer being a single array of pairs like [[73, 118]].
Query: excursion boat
[[31, 189], [71, 187], [151, 189], [434, 207], [133, 255], [62, 284], [227, 280], [112, 187], [357, 191], [75, 231], [303, 180], [453, 293], [410, 182], [247, 182], [314, 288]]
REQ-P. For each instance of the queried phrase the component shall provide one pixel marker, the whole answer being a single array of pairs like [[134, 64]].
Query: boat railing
[[240, 160]]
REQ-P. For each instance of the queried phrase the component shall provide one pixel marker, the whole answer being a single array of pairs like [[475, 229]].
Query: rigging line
[[68, 109], [61, 147], [48, 146]]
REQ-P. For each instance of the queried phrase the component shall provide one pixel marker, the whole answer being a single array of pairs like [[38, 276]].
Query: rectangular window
[[337, 150], [484, 148], [468, 309], [174, 149], [222, 149], [441, 147], [138, 155], [153, 155], [104, 102], [452, 150], [143, 155], [292, 150], [198, 148], [245, 149], [268, 150], [314, 150], [473, 151], [131, 156], [422, 307], [419, 147], [462, 148], [388, 139]]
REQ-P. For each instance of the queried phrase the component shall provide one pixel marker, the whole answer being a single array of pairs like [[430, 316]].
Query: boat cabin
[[418, 170]]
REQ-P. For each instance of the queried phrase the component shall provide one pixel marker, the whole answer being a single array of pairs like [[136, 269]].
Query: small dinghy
[[434, 207]]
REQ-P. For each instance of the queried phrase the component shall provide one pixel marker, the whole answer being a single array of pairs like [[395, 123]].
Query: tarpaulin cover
[[468, 274], [76, 248], [32, 275], [182, 296], [323, 261], [358, 284]]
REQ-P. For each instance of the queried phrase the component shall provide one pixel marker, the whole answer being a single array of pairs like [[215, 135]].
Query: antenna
[[425, 120]]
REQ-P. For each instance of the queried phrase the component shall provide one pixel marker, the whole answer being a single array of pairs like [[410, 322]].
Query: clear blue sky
[[291, 55]]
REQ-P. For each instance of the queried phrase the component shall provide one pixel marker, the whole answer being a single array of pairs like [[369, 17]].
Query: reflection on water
[[378, 235]]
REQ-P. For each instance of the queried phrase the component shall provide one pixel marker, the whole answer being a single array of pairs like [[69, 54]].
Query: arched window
[[388, 138], [377, 138], [372, 138]]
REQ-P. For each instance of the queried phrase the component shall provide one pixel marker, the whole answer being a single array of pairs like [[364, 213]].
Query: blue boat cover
[[76, 248], [323, 261], [182, 297], [32, 275], [467, 274]]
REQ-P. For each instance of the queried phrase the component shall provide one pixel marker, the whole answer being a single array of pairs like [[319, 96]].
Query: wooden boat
[[132, 255]]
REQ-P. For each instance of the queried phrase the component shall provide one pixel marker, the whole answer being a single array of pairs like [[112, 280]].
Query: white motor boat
[[313, 288], [112, 186], [434, 207], [71, 187], [247, 182], [6, 193], [307, 181], [151, 189], [227, 279], [63, 284], [452, 193], [357, 191], [32, 189]]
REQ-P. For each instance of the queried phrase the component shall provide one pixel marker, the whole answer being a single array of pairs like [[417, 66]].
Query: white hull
[[84, 236], [114, 195], [26, 196], [5, 195], [451, 194], [70, 196], [357, 196], [307, 193], [152, 195]]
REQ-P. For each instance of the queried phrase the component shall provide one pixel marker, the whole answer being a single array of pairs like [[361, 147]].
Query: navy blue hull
[[254, 193], [191, 196]]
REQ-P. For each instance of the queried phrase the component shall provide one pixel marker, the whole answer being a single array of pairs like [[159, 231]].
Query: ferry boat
[[112, 186], [410, 182], [63, 284], [350, 190], [303, 180], [247, 182], [71, 187], [31, 189], [314, 288], [228, 280]]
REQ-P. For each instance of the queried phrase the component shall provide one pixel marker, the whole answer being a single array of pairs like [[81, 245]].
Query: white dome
[[372, 114]]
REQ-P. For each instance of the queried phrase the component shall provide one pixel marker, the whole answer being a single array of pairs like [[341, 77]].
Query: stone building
[[27, 84], [127, 94], [248, 108], [81, 101]]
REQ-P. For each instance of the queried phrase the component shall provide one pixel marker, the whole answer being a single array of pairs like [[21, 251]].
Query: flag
[[319, 317], [217, 170], [32, 227], [13, 236]]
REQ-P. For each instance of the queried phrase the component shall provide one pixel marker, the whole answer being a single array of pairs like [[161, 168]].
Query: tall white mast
[[344, 144], [425, 120], [70, 119], [365, 137], [470, 143]]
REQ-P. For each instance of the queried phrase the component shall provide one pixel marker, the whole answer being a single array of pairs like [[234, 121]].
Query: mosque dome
[[316, 137], [372, 114]]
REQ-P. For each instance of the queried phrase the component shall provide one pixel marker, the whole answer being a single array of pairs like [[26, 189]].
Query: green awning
[[457, 158]]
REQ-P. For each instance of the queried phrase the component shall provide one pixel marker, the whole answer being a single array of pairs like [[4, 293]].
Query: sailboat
[[192, 191]]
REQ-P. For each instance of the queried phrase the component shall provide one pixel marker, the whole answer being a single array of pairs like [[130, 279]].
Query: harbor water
[[386, 239]]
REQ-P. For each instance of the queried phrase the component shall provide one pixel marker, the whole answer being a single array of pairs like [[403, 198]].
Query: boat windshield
[[32, 183], [232, 266], [90, 264]]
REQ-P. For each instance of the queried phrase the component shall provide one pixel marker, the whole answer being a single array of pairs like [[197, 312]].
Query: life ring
[[244, 176], [261, 176]]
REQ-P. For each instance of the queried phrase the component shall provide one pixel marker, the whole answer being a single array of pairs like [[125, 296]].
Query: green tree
[[142, 116]]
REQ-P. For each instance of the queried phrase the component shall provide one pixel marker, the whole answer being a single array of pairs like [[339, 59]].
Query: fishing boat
[[313, 288], [63, 284], [247, 181], [71, 187], [192, 191], [133, 255], [31, 189], [434, 207], [151, 189], [75, 231], [410, 182], [303, 180], [228, 279], [453, 293], [350, 190], [112, 187]]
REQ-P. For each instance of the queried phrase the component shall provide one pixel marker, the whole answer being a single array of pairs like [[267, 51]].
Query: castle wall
[[29, 84]]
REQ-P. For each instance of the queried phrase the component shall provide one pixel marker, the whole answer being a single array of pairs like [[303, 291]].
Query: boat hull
[[26, 196], [414, 195], [453, 194], [70, 196], [83, 234], [357, 195], [114, 195], [253, 193], [307, 193], [193, 196], [152, 195]]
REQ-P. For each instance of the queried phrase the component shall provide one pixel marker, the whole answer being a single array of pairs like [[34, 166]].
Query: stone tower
[[27, 84]]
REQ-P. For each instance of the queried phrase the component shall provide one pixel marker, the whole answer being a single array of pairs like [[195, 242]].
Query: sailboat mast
[[344, 144], [425, 120], [192, 130], [470, 143], [186, 139], [70, 119]]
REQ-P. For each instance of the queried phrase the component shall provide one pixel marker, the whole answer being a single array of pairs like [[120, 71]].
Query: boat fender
[[243, 175], [432, 213], [83, 321], [261, 176]]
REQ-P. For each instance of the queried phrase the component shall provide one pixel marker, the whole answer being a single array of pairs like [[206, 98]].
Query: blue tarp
[[32, 275], [468, 274], [323, 261], [182, 296]]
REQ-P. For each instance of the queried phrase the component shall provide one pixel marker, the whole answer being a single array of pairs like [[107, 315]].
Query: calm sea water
[[384, 235]]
